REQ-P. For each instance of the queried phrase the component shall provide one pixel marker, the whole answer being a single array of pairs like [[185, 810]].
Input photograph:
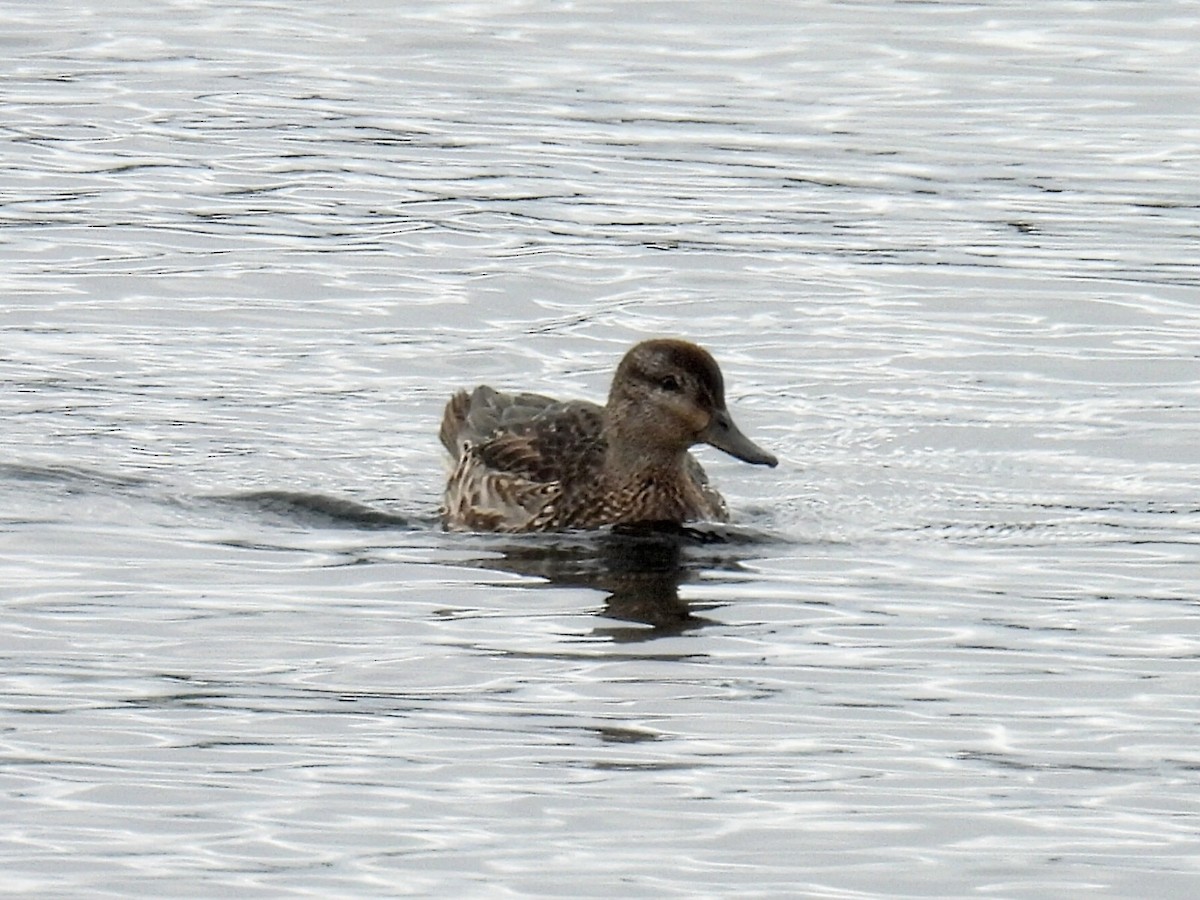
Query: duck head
[[669, 395]]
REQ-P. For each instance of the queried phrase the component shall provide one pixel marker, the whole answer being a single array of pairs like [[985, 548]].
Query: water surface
[[945, 253]]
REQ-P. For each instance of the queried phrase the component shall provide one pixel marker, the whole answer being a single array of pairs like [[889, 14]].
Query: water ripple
[[945, 255]]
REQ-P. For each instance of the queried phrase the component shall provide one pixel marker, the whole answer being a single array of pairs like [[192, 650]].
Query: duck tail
[[453, 420]]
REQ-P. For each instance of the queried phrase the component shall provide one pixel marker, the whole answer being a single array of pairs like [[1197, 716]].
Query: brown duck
[[524, 462]]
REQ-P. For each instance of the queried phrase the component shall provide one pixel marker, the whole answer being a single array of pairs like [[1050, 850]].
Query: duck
[[523, 462]]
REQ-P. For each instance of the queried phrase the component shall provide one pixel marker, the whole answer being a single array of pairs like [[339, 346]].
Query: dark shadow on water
[[637, 568], [640, 568], [317, 510]]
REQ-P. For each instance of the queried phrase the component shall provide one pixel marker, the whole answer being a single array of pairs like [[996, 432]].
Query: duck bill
[[724, 435]]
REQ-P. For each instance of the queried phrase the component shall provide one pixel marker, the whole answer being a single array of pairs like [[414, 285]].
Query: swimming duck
[[524, 462]]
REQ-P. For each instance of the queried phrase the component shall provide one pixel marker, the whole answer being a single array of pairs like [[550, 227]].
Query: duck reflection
[[639, 567]]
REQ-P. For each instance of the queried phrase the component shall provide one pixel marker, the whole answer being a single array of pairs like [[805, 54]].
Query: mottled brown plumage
[[524, 462]]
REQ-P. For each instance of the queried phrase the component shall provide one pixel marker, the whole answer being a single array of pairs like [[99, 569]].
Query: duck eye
[[670, 383]]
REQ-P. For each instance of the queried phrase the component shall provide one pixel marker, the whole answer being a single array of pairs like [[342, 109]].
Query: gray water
[[947, 256]]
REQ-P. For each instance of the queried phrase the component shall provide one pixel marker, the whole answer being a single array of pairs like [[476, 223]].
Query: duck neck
[[634, 463], [655, 480]]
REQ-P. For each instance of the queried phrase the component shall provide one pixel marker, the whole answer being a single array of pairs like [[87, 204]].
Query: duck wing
[[476, 417], [559, 442], [513, 455]]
